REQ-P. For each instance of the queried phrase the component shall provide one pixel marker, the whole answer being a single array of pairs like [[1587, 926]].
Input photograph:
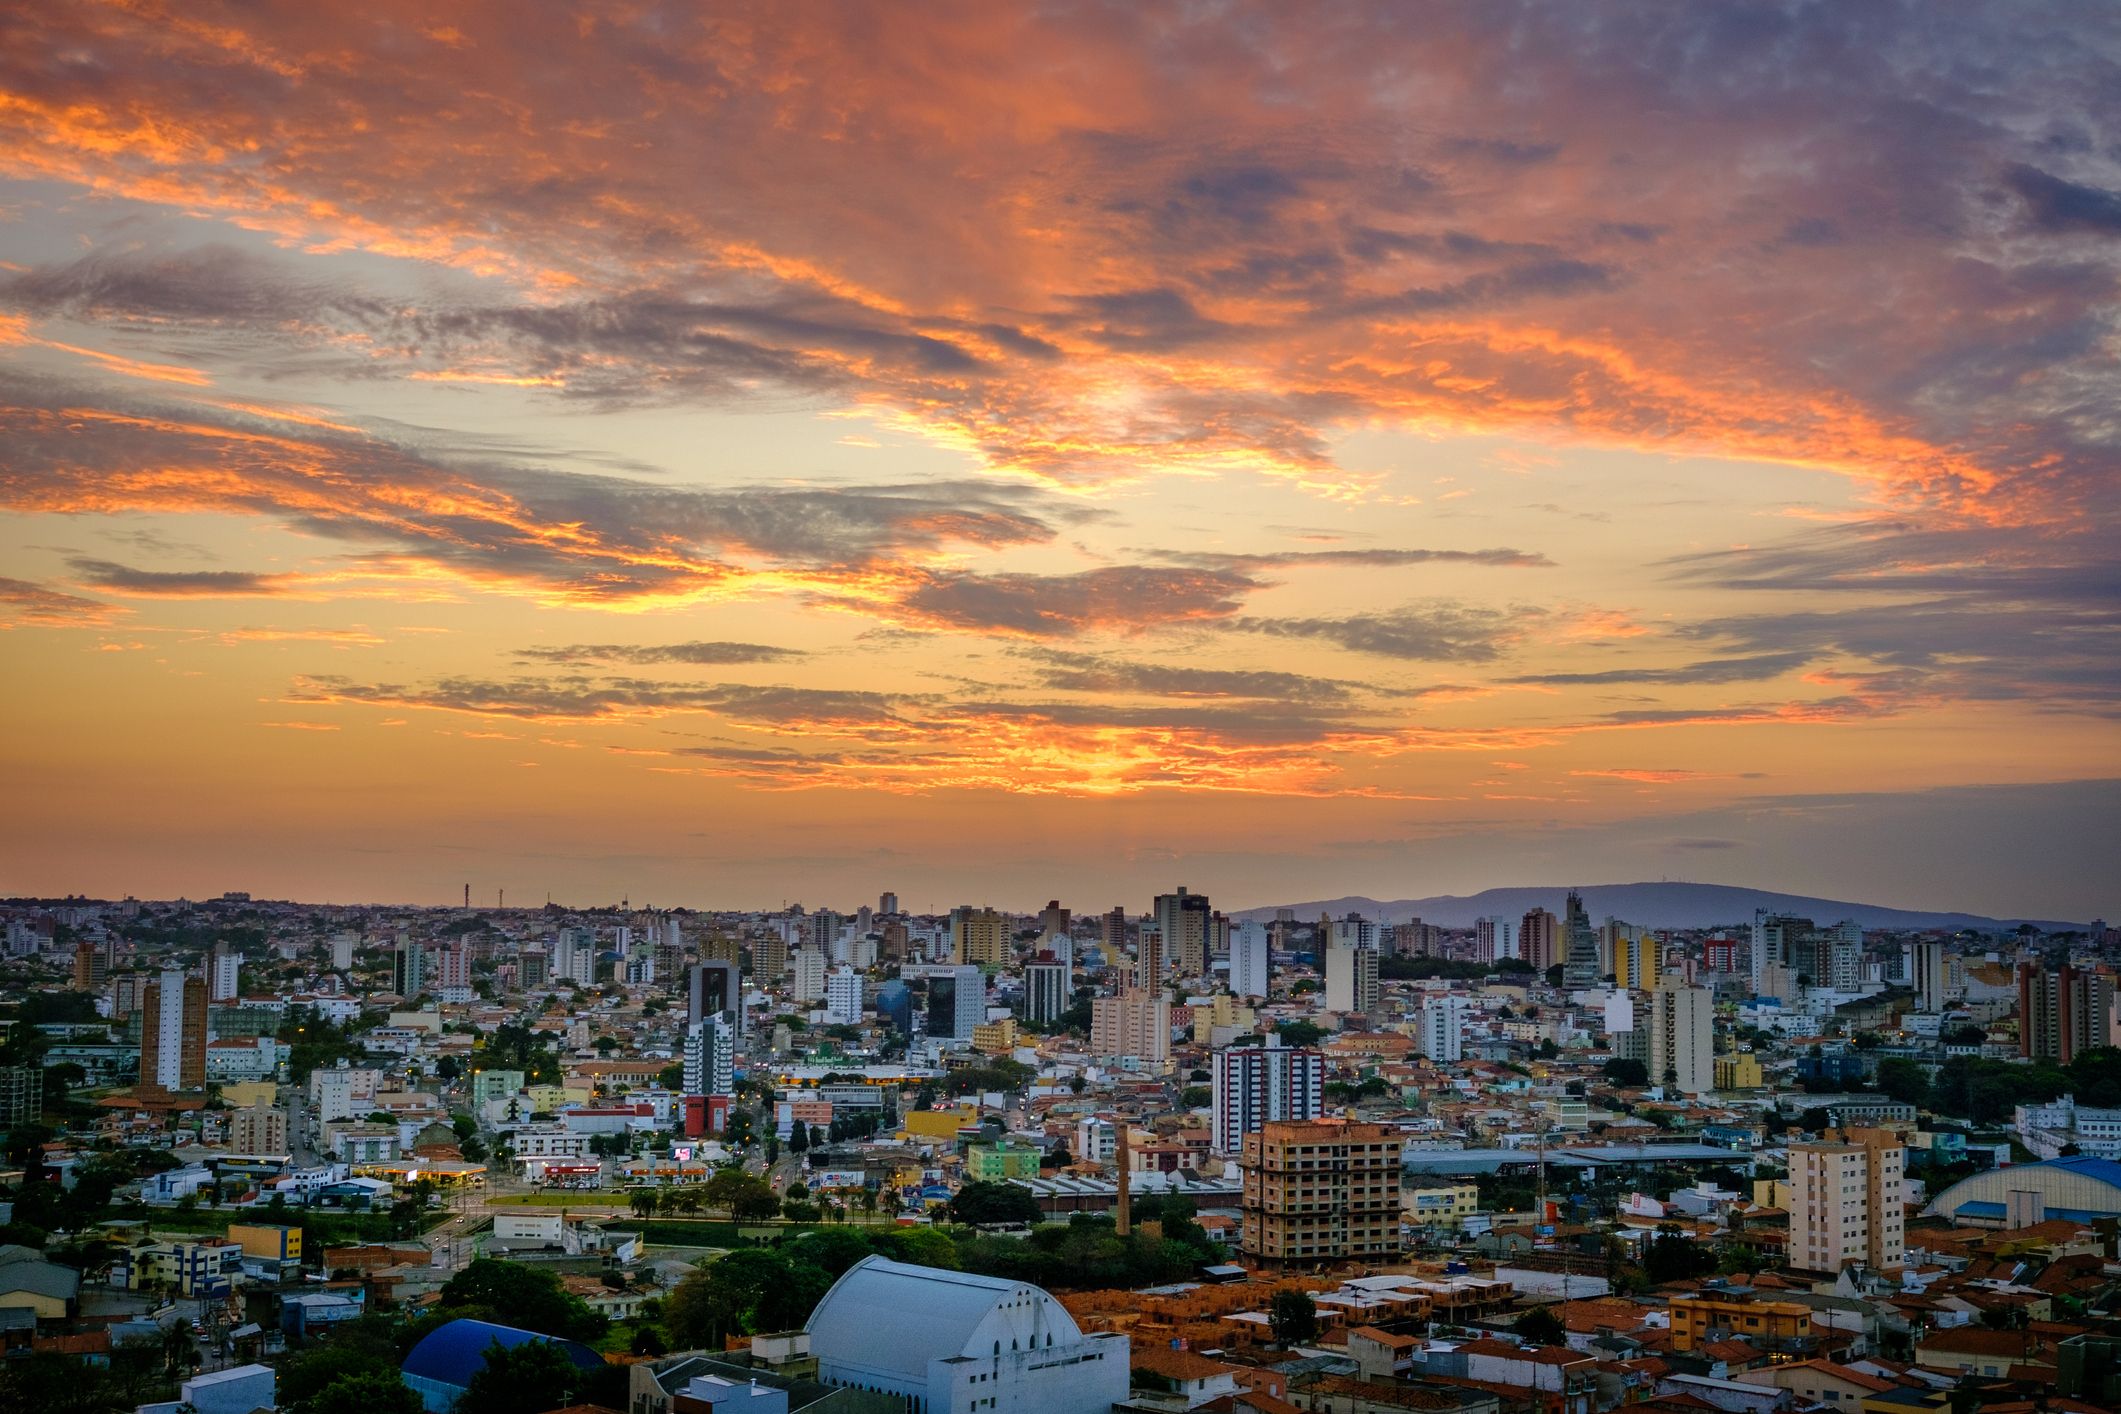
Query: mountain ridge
[[1647, 905]]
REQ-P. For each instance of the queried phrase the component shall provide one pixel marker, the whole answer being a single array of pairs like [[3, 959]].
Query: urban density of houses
[[1344, 1164]]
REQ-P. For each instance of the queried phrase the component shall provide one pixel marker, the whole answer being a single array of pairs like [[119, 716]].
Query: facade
[[1637, 957], [1582, 965], [1441, 1033], [807, 980], [1682, 1037], [843, 997], [1258, 1085], [957, 1002], [1539, 939], [173, 1033], [2062, 1011], [1046, 991], [1351, 979], [1494, 938], [1321, 1191], [954, 1343], [1182, 920], [1845, 1206], [714, 989], [1448, 1206], [1001, 1161], [21, 1095], [1927, 974], [1249, 962], [979, 936], [223, 965], [260, 1129], [1782, 1328], [2047, 1129], [408, 969], [710, 1057], [1135, 1023]]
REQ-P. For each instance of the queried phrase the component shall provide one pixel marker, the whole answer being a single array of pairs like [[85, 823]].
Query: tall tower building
[[173, 1033], [1046, 991], [2062, 1011], [1249, 962], [1151, 961], [1136, 1023], [1254, 1085], [957, 1002], [979, 936], [710, 1056], [1928, 975], [1321, 1191], [1636, 958], [89, 967], [806, 975], [1495, 938], [843, 997], [1053, 919], [224, 966], [1351, 979], [1112, 932], [1442, 1031], [1846, 1206], [887, 904], [1682, 1037], [1539, 939], [1773, 933], [1182, 920], [1580, 967], [408, 969], [714, 989]]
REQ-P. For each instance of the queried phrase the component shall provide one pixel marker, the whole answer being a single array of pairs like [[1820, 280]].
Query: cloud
[[697, 654], [35, 605], [2053, 204], [1120, 598], [1707, 844], [180, 584], [1090, 673], [1368, 559], [1440, 631], [1715, 670]]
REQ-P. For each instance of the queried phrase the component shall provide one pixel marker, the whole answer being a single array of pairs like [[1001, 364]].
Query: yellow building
[[937, 1124], [1444, 1207], [979, 936], [1321, 1191], [243, 1094], [1739, 1071], [1781, 1328], [1635, 961], [995, 1038], [275, 1244]]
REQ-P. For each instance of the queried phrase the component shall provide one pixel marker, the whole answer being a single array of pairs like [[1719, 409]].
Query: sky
[[727, 455]]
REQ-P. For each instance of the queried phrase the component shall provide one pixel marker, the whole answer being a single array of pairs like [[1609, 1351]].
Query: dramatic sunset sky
[[720, 454]]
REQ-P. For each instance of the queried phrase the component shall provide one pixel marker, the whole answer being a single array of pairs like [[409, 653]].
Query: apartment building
[[1257, 1085], [1318, 1191], [1846, 1206]]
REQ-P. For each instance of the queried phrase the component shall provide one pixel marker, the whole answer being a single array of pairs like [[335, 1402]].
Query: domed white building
[[954, 1343]]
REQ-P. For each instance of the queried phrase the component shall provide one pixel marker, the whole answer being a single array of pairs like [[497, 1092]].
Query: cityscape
[[1053, 707]]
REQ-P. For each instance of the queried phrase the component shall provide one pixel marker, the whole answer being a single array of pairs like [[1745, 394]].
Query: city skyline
[[788, 454]]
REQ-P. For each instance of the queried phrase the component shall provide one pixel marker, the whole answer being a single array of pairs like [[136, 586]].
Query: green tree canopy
[[995, 1203], [529, 1298], [1293, 1317]]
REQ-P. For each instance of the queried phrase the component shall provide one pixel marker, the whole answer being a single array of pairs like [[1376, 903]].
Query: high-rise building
[[1351, 979], [843, 997], [1637, 957], [1772, 935], [1150, 959], [1682, 1037], [1321, 1191], [408, 969], [715, 989], [806, 975], [769, 957], [2062, 1011], [1053, 919], [1255, 1085], [887, 904], [21, 1095], [1495, 938], [1182, 920], [533, 968], [173, 1033], [1581, 966], [90, 968], [720, 947], [1249, 963], [1441, 1035], [1846, 1206], [1928, 975], [710, 1056], [1112, 932], [1046, 991], [1135, 1023], [979, 936], [574, 956], [455, 972], [260, 1128], [1539, 939], [957, 1002]]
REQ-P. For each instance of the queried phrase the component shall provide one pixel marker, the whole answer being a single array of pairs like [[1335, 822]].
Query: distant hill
[[1646, 905]]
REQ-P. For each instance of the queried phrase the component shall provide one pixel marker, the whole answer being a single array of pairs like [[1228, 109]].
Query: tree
[[798, 1138], [1904, 1080], [1292, 1317], [642, 1201], [523, 1379], [1301, 1033], [1626, 1073], [1541, 1326], [529, 1298], [374, 1389], [995, 1203], [1672, 1256]]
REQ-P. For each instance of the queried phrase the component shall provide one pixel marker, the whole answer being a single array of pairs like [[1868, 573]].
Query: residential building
[[1441, 1031], [1257, 1085], [1777, 1328], [714, 989], [1539, 939], [2062, 1011], [1046, 991], [1927, 974], [2050, 1128], [1182, 920], [21, 1095], [1637, 956], [1582, 966], [995, 1038], [1249, 961], [806, 983], [259, 1129], [843, 997], [1351, 979], [1000, 1161], [1321, 1191], [710, 1056], [1682, 1037], [1495, 938], [954, 1343], [1739, 1071], [979, 936], [1845, 1206], [173, 1033], [224, 966], [408, 969], [1447, 1207], [1772, 935], [1136, 1023]]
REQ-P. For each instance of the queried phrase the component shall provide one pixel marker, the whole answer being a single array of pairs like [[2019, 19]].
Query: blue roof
[[2105, 1170], [453, 1353]]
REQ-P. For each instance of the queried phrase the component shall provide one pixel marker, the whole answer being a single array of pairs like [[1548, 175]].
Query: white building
[[710, 1057], [224, 964], [806, 967], [954, 1343], [1046, 990], [1257, 1084], [1495, 938], [2046, 1129], [1442, 1033], [1846, 1207], [957, 1001], [1351, 976], [1682, 1038], [341, 1092], [1249, 963], [843, 997]]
